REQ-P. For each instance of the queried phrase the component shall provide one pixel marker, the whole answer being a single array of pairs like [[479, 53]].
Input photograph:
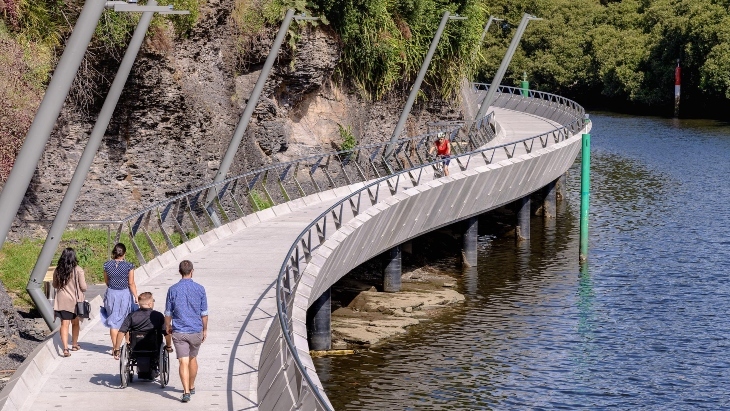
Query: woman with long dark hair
[[121, 290], [70, 285]]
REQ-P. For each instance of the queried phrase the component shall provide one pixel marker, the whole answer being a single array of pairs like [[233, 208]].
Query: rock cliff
[[182, 103]]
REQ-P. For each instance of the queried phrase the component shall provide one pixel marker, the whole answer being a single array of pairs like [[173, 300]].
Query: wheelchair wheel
[[164, 364], [124, 366]]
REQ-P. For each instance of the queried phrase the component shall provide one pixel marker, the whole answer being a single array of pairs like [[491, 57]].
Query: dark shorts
[[65, 315], [446, 159], [187, 345]]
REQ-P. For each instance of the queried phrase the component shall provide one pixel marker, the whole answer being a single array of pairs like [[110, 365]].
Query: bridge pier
[[560, 187], [392, 271], [522, 231], [319, 323], [549, 209], [469, 250]]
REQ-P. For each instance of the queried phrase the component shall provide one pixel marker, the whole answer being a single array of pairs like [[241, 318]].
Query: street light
[[227, 159], [417, 85], [489, 99]]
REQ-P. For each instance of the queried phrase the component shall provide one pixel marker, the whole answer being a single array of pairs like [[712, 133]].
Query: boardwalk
[[238, 272]]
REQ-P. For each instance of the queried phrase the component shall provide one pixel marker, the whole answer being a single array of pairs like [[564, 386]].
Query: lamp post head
[[304, 17]]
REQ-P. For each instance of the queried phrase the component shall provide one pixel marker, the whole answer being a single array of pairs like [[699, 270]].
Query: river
[[643, 325]]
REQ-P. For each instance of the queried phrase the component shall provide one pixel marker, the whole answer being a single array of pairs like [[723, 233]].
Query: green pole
[[524, 85], [585, 189]]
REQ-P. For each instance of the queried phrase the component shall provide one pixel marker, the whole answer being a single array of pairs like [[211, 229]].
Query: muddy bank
[[366, 316]]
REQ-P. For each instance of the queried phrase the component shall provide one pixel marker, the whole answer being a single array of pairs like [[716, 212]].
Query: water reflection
[[642, 326]]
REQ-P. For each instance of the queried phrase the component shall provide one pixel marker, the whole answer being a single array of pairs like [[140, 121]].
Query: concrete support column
[[549, 202], [319, 323], [560, 188], [522, 230], [469, 250], [392, 271]]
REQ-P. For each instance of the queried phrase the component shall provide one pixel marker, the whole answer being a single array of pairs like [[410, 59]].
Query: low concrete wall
[[403, 216]]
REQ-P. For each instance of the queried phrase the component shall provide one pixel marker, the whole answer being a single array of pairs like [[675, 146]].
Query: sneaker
[[192, 391], [185, 397]]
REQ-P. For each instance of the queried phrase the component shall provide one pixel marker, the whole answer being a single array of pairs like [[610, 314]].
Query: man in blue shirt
[[186, 318]]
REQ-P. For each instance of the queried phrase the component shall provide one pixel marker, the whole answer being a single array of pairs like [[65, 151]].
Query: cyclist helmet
[[441, 135]]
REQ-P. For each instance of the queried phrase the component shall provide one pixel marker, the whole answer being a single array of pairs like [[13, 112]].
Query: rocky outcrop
[[181, 105]]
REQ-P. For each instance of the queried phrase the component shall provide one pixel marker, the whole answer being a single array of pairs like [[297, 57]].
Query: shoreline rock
[[373, 317]]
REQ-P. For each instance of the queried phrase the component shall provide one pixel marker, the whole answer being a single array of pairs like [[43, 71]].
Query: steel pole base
[[319, 323]]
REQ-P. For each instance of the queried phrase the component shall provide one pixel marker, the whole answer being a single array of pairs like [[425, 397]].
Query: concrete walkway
[[238, 272]]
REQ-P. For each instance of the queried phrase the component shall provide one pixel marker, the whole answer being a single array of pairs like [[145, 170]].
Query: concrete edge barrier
[[334, 259]]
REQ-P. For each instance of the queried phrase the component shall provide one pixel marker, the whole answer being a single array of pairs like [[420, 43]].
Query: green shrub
[[348, 139]]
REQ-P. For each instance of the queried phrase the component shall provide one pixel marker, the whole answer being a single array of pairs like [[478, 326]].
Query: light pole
[[47, 114], [489, 99], [250, 106], [35, 281], [417, 85], [486, 27]]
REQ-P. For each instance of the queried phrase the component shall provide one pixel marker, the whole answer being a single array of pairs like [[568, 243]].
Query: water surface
[[644, 325]]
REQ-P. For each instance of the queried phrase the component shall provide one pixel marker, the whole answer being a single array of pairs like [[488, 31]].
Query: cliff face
[[181, 105]]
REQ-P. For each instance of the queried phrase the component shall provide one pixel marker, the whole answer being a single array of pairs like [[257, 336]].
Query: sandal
[[75, 347], [168, 348], [115, 353], [66, 353]]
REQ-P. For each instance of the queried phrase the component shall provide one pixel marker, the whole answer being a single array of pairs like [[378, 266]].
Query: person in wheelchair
[[146, 328]]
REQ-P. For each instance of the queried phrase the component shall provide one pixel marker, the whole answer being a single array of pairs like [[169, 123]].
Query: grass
[[18, 259], [260, 201]]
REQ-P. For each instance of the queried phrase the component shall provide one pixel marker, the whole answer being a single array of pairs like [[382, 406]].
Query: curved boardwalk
[[238, 272]]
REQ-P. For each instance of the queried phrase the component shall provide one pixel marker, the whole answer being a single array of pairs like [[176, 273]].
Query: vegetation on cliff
[[596, 50], [32, 34]]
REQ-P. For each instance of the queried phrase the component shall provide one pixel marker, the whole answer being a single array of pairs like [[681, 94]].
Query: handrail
[[291, 269], [188, 215]]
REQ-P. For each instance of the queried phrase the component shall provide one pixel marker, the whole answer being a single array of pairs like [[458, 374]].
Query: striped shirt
[[118, 274], [186, 304]]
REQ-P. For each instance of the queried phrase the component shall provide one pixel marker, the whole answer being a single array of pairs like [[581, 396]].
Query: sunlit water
[[644, 326]]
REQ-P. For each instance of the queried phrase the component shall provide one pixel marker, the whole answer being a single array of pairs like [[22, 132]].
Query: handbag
[[83, 308]]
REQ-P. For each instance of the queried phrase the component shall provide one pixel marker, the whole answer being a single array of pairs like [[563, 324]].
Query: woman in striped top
[[121, 290]]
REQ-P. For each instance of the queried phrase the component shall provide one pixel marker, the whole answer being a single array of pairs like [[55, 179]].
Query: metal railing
[[546, 105], [169, 223]]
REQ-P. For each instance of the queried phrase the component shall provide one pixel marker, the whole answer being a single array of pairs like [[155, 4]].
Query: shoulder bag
[[83, 308]]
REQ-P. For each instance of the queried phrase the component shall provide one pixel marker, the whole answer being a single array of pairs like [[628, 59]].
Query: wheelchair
[[146, 351]]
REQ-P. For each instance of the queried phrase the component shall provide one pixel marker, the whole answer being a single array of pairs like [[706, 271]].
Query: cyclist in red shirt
[[442, 146]]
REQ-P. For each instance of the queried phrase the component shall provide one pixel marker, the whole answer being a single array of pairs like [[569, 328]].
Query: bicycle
[[438, 167]]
